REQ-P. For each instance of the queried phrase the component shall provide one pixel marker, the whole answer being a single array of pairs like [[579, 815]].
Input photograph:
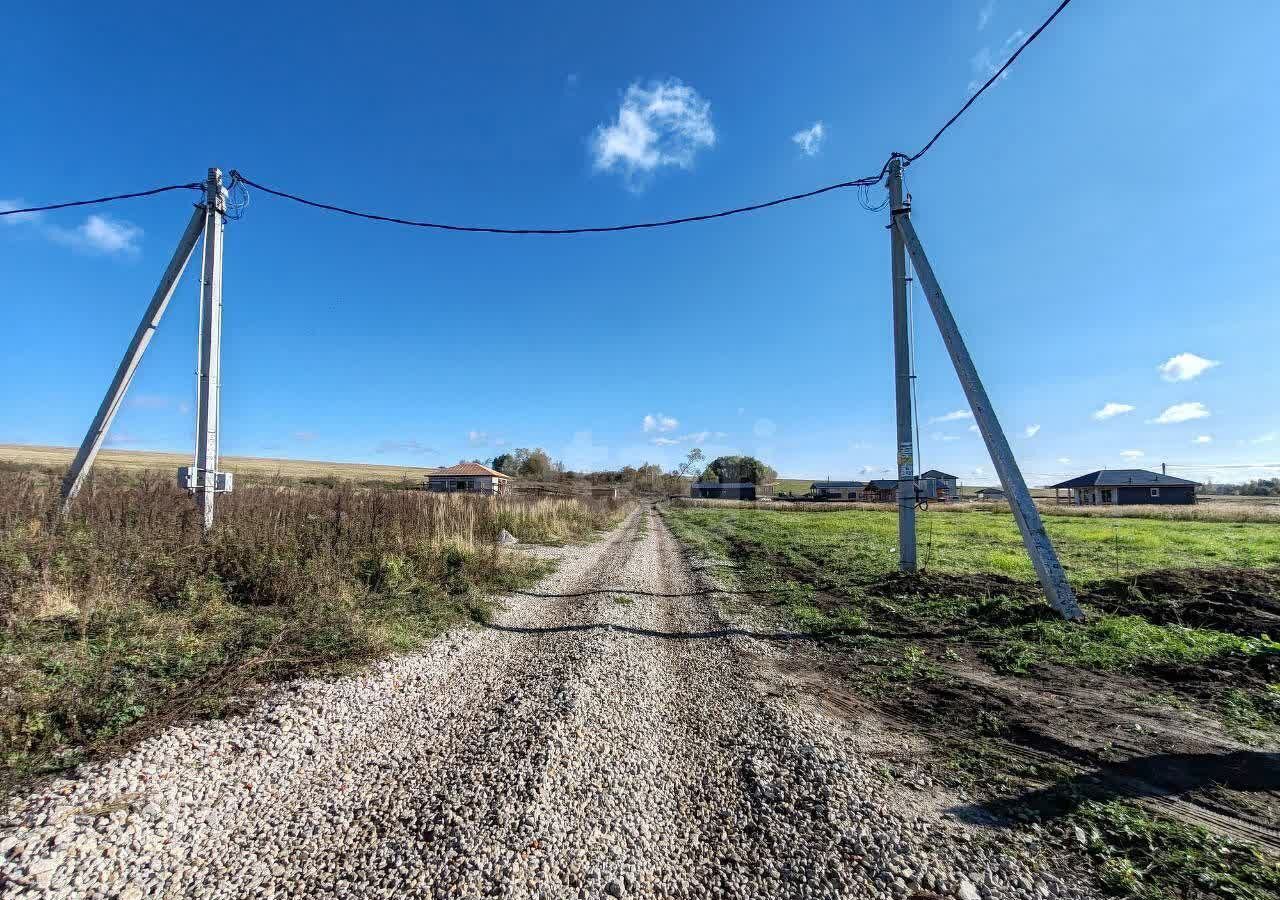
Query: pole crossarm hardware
[[1034, 537], [97, 433], [902, 381]]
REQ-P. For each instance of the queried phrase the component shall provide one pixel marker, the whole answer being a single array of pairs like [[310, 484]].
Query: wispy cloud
[[664, 441], [1202, 439], [975, 429], [953, 416], [1031, 431], [986, 63], [406, 446], [1267, 438], [484, 439], [1132, 454], [1180, 412], [1185, 366], [941, 436], [1064, 459], [660, 422], [97, 234], [1111, 410], [810, 139], [985, 12], [663, 124], [122, 439]]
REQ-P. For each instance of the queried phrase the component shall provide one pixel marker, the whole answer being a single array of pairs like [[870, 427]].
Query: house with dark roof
[[948, 485], [989, 494], [838, 490], [467, 478], [723, 490], [1127, 487]]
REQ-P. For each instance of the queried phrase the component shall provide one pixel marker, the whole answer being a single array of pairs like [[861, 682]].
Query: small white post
[[1034, 537], [97, 432], [209, 387]]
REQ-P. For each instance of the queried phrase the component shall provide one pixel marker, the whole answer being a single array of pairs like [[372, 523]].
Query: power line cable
[[197, 186], [990, 81], [237, 179]]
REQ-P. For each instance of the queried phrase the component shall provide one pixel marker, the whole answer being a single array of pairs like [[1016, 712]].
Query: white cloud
[[1185, 366], [1031, 431], [96, 234], [1132, 454], [1203, 439], [1064, 459], [984, 13], [664, 442], [1266, 438], [484, 439], [810, 139], [1180, 412], [975, 429], [659, 422], [984, 63], [940, 436], [701, 437], [1110, 410], [664, 124], [954, 416]]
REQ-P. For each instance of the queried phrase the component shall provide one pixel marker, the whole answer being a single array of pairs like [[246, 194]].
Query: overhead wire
[[195, 185], [863, 184]]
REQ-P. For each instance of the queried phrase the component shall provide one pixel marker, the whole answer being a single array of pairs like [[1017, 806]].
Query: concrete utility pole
[[209, 373], [97, 433], [902, 380], [1039, 547]]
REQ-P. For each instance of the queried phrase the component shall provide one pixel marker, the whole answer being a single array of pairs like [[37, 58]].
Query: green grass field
[[927, 648]]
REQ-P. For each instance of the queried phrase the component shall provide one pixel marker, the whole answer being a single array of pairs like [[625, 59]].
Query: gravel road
[[611, 735]]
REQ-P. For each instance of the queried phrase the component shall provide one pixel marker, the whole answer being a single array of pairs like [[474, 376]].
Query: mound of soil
[[1239, 601]]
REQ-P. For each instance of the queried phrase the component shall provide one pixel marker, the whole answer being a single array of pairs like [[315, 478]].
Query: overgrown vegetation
[[126, 614]]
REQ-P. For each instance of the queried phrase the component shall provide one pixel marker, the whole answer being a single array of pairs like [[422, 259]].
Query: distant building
[[604, 493], [1127, 487], [948, 485], [723, 490], [838, 490], [990, 493], [881, 490], [467, 478]]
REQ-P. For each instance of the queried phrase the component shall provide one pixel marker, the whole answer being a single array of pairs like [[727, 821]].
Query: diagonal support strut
[[1039, 547]]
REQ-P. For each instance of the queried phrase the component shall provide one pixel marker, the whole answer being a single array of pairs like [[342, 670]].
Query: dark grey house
[[1127, 487], [947, 484], [838, 490], [723, 490]]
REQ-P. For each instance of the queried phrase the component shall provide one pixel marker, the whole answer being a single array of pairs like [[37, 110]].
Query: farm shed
[[990, 493], [723, 490], [1127, 487], [604, 493], [838, 490], [947, 484], [467, 478], [882, 490]]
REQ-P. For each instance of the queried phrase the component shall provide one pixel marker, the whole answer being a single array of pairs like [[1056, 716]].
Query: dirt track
[[609, 735]]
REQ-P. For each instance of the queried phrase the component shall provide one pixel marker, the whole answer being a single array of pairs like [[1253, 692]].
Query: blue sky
[[1103, 210]]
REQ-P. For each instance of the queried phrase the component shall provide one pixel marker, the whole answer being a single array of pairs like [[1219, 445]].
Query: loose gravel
[[610, 737]]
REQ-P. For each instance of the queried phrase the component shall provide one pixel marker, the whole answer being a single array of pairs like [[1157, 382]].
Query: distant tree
[[505, 463], [1262, 487], [690, 463], [536, 464], [739, 469]]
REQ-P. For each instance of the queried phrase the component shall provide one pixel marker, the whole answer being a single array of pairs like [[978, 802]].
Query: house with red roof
[[467, 478]]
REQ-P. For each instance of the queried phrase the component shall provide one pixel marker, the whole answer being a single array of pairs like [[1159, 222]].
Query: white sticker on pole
[[905, 460]]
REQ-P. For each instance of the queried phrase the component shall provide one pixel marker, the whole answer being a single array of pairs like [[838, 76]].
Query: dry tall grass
[[127, 613]]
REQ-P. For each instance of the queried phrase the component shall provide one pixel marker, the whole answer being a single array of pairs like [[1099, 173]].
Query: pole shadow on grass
[[1155, 776]]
